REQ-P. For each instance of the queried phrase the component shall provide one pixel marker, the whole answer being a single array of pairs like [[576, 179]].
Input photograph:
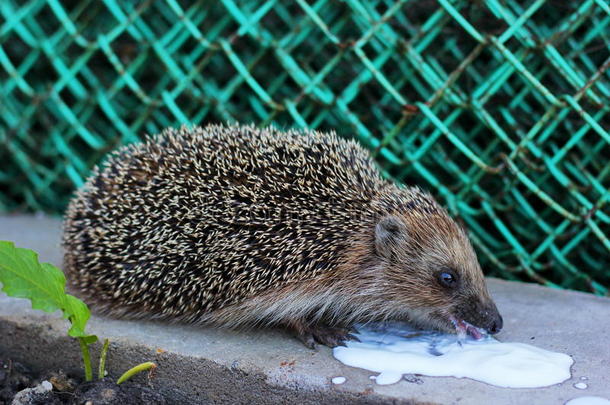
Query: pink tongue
[[464, 328], [474, 332]]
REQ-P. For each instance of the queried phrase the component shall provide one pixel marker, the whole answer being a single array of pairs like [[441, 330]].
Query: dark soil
[[15, 377]]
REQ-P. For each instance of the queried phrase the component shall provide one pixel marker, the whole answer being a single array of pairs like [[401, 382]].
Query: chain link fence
[[498, 107]]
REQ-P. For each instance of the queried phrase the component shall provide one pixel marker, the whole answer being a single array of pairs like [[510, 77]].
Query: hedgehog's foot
[[325, 335]]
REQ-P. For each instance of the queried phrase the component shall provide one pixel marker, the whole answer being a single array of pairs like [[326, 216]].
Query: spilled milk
[[394, 349]]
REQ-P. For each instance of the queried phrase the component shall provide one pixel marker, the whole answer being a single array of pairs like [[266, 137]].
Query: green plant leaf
[[23, 276]]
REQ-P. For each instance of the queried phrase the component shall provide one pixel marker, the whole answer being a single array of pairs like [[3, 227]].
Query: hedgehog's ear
[[389, 232]]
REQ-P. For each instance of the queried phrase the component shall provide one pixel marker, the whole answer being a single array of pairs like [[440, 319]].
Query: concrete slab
[[208, 365]]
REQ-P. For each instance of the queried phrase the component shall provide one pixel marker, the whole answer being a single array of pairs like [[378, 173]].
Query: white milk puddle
[[338, 380], [396, 349]]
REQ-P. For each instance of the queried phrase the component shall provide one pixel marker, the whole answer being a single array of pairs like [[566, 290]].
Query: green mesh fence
[[500, 108]]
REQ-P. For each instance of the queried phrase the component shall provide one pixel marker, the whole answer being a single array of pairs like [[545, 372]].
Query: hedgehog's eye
[[447, 278]]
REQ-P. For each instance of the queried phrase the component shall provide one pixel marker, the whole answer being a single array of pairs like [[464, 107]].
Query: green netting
[[499, 107]]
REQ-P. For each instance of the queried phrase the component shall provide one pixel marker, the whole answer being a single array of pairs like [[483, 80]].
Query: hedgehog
[[242, 227]]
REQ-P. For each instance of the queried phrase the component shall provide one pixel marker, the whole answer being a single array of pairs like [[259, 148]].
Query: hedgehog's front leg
[[330, 336]]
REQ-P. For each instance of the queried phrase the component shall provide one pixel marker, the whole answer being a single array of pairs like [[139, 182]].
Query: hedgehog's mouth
[[464, 329]]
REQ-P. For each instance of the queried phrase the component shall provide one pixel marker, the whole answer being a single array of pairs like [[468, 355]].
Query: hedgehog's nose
[[496, 325]]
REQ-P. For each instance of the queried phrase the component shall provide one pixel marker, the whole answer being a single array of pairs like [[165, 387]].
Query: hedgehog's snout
[[491, 320], [496, 324], [481, 313]]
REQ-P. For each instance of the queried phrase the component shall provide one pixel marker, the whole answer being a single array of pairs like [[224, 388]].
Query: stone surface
[[203, 364]]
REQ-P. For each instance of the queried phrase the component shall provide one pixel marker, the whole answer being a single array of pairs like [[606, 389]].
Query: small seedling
[[23, 276], [137, 369]]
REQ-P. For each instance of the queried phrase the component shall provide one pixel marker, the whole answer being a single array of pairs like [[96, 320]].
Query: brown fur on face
[[413, 242]]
